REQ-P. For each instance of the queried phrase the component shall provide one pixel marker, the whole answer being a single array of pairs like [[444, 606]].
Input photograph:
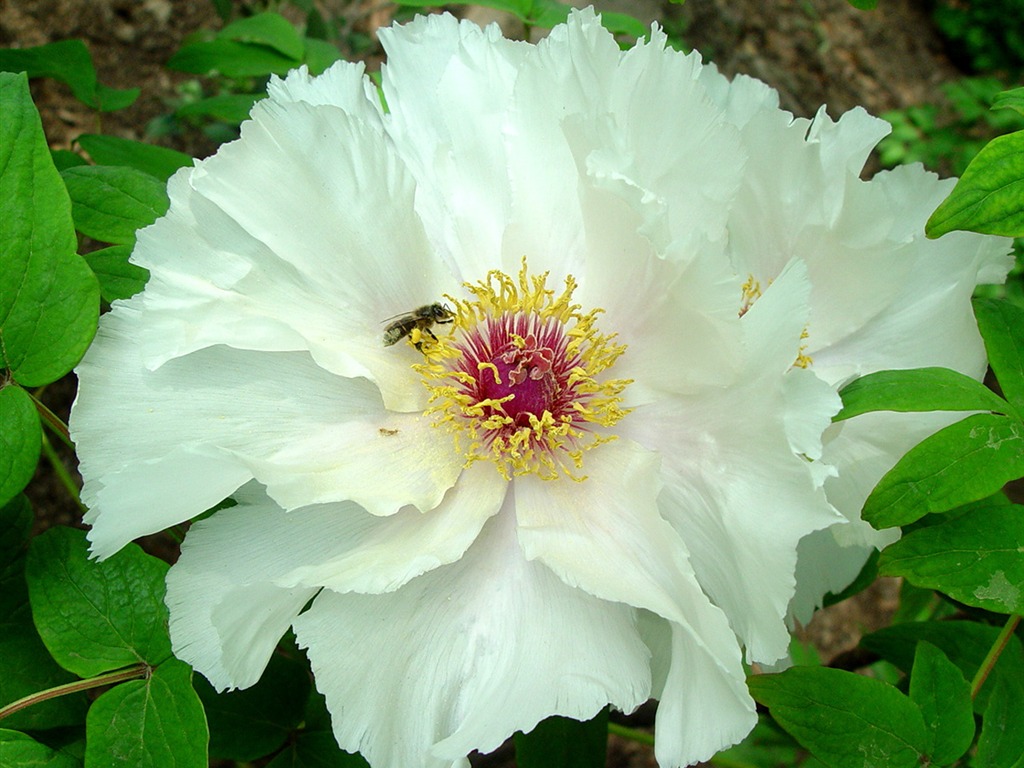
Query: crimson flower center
[[522, 366], [521, 376]]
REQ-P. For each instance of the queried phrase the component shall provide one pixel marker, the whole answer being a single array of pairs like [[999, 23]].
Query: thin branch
[[632, 734], [993, 654], [62, 473], [109, 678], [53, 421]]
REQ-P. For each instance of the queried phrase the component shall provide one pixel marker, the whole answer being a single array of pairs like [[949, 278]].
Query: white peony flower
[[575, 466]]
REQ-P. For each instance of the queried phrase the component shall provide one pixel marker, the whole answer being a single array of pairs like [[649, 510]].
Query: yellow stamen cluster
[[553, 441], [751, 292], [803, 360]]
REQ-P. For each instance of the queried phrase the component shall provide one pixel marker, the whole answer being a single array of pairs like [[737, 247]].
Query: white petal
[[364, 553], [230, 604], [148, 497], [462, 657], [737, 488], [448, 84], [927, 319], [300, 236], [866, 447], [382, 461], [701, 710], [795, 202], [221, 416], [584, 110], [678, 318], [683, 735], [862, 450], [774, 324], [657, 102], [604, 535], [227, 615], [343, 84], [883, 296], [741, 98], [823, 566], [567, 74]]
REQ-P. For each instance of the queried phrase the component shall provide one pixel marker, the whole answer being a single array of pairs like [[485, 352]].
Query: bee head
[[441, 313]]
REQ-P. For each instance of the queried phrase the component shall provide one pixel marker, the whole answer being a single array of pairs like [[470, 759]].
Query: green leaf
[[110, 203], [919, 389], [518, 8], [119, 278], [18, 750], [764, 747], [917, 604], [316, 750], [318, 717], [1002, 327], [154, 723], [965, 643], [231, 108], [623, 24], [270, 29], [961, 463], [548, 13], [1012, 99], [864, 5], [15, 526], [989, 197], [315, 746], [1001, 744], [70, 62], [320, 55], [231, 59], [976, 558], [559, 742], [65, 158], [113, 99], [25, 665], [97, 616], [20, 441], [246, 725], [49, 299], [223, 8], [944, 698], [845, 720], [148, 158]]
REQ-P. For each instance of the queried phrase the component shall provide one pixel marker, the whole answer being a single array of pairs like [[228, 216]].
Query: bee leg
[[417, 337]]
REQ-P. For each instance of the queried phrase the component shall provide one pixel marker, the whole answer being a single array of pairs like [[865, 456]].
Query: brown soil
[[813, 51]]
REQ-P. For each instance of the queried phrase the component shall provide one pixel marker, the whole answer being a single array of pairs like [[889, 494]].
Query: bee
[[417, 322]]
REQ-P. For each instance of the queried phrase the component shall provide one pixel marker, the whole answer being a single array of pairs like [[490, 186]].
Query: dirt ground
[[813, 51]]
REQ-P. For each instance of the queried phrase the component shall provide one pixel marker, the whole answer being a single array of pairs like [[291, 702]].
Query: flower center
[[520, 380]]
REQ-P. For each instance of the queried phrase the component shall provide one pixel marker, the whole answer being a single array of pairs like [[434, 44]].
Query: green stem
[[632, 734], [109, 678], [62, 473], [53, 421], [993, 654]]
